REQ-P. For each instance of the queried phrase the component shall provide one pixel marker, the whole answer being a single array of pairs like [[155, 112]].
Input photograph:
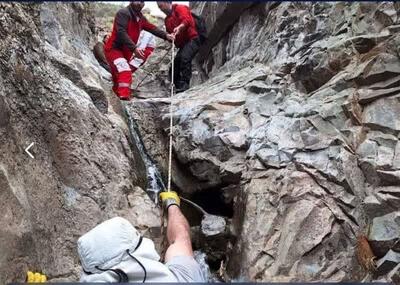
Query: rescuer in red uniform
[[121, 48], [181, 23]]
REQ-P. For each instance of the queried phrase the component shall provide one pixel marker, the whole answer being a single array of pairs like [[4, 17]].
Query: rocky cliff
[[296, 130], [85, 168], [299, 122], [291, 133]]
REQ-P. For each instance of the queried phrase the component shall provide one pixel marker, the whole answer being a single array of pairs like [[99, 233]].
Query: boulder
[[384, 233], [384, 201], [394, 275], [381, 115], [388, 262]]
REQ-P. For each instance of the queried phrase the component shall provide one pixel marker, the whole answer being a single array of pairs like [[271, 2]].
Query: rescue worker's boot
[[124, 93]]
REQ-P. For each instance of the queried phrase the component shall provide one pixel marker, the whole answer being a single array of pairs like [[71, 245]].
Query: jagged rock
[[381, 67], [384, 233], [272, 249], [396, 158], [297, 124], [321, 114], [215, 246], [156, 141], [212, 225], [263, 105], [58, 29], [377, 158], [236, 139], [388, 262], [394, 275], [313, 72], [285, 138], [370, 95], [85, 168], [386, 84], [381, 115], [269, 157], [81, 74], [384, 201], [389, 177], [225, 15]]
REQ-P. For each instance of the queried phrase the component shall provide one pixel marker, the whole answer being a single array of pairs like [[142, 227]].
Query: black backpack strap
[[140, 264], [122, 277], [139, 243]]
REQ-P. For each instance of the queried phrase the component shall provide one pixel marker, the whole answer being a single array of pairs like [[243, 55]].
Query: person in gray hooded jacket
[[114, 251]]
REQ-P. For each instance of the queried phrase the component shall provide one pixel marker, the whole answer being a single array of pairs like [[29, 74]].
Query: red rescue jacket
[[126, 30], [181, 14]]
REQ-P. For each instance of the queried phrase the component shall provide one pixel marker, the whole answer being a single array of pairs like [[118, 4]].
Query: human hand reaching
[[170, 37], [139, 53], [178, 29]]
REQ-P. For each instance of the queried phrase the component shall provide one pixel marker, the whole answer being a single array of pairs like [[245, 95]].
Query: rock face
[[294, 129], [85, 169], [298, 125]]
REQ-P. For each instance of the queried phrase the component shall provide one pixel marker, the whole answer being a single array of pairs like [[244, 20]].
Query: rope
[[171, 118], [163, 219], [195, 206], [148, 73]]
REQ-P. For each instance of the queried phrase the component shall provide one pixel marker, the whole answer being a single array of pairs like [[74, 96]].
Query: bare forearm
[[178, 229], [178, 226], [182, 26]]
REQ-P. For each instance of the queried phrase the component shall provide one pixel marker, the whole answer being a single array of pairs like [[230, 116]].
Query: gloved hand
[[35, 277], [170, 198]]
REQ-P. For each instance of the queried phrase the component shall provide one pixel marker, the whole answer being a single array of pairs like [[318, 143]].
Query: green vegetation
[[149, 17], [104, 13]]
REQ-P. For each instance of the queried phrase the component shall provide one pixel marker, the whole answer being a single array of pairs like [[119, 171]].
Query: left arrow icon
[[27, 150]]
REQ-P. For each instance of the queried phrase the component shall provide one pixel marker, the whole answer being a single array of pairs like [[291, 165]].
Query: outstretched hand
[[178, 29], [170, 37], [139, 53]]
